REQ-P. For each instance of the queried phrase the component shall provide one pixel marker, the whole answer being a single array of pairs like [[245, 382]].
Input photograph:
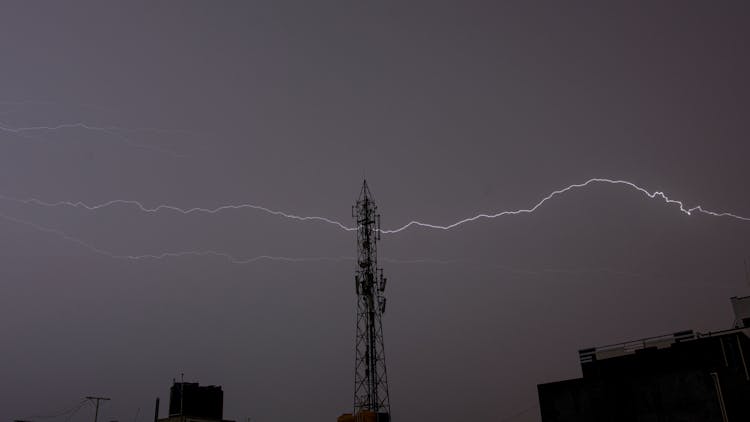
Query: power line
[[61, 413], [70, 416], [521, 413], [97, 400]]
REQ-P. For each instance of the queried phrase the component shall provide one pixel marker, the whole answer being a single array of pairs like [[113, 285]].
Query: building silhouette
[[191, 402], [685, 376]]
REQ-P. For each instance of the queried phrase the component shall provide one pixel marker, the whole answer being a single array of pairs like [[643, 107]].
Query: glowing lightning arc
[[652, 195], [231, 258], [206, 253], [158, 208], [114, 131]]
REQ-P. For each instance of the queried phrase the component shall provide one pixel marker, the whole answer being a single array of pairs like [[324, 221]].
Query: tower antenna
[[370, 376]]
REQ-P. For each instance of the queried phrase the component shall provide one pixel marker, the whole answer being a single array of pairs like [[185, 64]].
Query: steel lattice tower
[[370, 377]]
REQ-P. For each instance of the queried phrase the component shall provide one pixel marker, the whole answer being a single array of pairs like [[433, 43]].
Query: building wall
[[687, 381], [741, 307], [686, 397], [193, 400]]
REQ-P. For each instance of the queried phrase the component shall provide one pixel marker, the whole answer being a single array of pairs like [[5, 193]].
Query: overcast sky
[[448, 110]]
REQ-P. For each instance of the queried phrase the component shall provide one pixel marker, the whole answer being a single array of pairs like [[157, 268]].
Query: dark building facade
[[191, 399], [685, 376], [191, 402]]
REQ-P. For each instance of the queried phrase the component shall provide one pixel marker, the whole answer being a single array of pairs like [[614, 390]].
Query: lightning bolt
[[186, 211], [231, 258], [652, 195], [207, 253], [113, 131], [657, 195]]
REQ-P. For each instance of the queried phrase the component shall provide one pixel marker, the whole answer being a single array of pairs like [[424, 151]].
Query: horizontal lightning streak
[[239, 260], [414, 223], [113, 131], [206, 253], [231, 258], [158, 208], [652, 195], [81, 125]]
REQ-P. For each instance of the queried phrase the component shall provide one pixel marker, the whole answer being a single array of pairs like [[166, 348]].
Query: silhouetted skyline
[[448, 110]]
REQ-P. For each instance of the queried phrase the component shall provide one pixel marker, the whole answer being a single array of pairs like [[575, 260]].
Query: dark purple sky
[[448, 109]]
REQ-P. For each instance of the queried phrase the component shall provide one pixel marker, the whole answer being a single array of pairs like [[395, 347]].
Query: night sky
[[447, 109]]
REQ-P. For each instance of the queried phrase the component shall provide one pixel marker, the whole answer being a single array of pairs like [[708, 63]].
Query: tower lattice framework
[[370, 376]]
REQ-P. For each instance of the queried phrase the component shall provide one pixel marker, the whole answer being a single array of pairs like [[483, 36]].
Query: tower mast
[[370, 376]]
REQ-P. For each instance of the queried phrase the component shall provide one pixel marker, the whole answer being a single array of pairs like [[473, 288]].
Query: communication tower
[[371, 399]]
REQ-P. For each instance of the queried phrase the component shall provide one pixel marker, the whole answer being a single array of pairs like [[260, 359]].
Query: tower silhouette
[[370, 376]]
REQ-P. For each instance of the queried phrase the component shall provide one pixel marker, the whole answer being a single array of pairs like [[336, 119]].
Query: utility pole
[[370, 377], [182, 394], [97, 400]]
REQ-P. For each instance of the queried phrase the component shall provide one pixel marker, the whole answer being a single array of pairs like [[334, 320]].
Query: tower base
[[365, 416]]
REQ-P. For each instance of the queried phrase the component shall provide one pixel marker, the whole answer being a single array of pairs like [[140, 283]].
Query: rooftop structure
[[741, 307], [685, 376], [191, 402]]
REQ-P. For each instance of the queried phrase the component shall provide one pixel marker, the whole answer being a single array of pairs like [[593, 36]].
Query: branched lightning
[[652, 195]]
